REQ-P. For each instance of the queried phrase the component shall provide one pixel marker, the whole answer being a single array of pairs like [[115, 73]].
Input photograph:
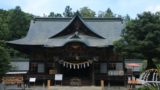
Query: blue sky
[[122, 7]]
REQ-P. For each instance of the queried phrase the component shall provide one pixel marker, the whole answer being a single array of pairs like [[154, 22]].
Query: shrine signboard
[[58, 77]]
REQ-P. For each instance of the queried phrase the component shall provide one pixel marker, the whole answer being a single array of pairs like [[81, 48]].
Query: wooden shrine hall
[[81, 49]]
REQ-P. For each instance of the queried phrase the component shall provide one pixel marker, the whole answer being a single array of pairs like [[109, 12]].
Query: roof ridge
[[70, 18]]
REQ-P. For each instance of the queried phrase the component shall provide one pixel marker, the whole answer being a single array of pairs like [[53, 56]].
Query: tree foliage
[[68, 12], [58, 15], [18, 22], [126, 19], [4, 30], [86, 12], [54, 15], [4, 61], [14, 24], [141, 38], [107, 14]]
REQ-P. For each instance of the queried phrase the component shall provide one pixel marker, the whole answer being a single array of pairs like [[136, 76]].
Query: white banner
[[32, 79], [58, 77]]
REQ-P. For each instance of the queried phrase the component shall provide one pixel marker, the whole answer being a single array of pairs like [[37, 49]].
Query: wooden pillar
[[102, 84], [30, 61], [48, 84], [57, 67]]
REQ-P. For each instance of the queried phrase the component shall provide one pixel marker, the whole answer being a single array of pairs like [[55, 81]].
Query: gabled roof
[[73, 27], [46, 31], [87, 40]]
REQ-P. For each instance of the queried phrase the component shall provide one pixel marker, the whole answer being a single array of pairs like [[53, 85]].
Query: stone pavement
[[75, 88], [13, 87], [87, 88], [116, 88]]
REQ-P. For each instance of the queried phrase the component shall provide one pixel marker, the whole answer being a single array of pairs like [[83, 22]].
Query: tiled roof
[[41, 29]]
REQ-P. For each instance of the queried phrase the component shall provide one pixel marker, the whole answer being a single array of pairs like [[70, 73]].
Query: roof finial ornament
[[76, 33]]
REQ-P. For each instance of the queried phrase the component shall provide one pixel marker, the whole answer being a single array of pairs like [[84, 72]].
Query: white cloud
[[153, 8]]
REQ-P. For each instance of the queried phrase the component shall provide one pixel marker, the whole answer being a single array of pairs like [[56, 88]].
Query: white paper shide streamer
[[76, 65]]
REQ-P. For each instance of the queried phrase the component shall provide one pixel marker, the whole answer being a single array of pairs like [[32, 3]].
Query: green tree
[[126, 19], [108, 13], [4, 61], [14, 24], [68, 12], [18, 22], [51, 14], [4, 30], [141, 38], [54, 15], [100, 14], [86, 12], [58, 15]]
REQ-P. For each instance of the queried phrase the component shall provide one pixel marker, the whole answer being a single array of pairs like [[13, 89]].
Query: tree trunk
[[150, 64]]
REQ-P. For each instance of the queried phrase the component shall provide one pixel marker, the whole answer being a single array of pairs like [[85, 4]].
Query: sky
[[120, 7]]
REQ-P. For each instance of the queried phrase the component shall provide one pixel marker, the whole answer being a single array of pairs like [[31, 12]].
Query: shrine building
[[81, 49]]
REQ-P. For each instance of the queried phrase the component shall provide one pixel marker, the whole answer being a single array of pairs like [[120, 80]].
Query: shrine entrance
[[77, 77], [76, 64]]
